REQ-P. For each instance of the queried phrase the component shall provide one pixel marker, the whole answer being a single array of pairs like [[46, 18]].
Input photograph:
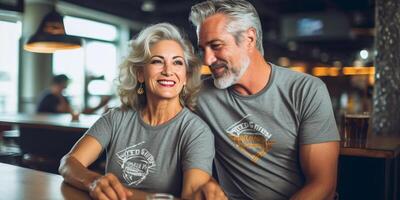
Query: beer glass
[[356, 129]]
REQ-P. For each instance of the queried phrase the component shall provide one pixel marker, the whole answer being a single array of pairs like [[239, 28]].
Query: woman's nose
[[167, 70]]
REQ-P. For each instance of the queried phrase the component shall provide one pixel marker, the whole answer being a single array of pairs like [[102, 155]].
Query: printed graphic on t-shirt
[[251, 138], [136, 163]]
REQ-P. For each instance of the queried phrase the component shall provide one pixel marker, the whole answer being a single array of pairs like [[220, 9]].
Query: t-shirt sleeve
[[198, 151], [318, 122], [102, 129]]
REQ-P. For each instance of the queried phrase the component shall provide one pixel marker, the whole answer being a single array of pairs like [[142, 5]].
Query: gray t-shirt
[[257, 137], [153, 158]]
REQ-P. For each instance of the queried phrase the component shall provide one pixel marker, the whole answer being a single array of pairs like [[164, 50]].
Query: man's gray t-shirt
[[154, 158], [257, 137]]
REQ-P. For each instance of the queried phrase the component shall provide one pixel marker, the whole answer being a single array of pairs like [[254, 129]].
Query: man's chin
[[222, 84]]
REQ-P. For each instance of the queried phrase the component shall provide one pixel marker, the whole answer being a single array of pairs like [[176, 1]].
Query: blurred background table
[[370, 170], [50, 121], [21, 183], [45, 138]]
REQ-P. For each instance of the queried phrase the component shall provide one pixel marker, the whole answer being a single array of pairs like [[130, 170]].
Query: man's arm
[[319, 164]]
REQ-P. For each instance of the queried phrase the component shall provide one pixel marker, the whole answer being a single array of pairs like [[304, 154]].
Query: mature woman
[[154, 143]]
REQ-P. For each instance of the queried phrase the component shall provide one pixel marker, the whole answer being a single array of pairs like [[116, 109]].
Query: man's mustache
[[218, 64]]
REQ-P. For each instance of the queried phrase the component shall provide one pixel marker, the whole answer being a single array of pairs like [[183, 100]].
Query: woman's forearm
[[76, 174]]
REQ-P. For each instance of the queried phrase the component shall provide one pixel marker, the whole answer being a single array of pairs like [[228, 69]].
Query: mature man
[[276, 137]]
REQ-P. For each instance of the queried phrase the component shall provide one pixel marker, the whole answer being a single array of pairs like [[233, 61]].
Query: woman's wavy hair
[[139, 56]]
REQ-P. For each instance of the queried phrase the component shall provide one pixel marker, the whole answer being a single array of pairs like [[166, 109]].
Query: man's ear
[[140, 75], [251, 37]]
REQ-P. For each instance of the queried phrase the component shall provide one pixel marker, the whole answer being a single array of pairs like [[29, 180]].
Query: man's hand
[[108, 187], [210, 191]]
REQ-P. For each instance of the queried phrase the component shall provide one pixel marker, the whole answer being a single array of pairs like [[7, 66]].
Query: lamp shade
[[51, 36]]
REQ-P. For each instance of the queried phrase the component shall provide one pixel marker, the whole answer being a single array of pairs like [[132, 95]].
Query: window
[[93, 67], [89, 29], [71, 63], [10, 33], [101, 59]]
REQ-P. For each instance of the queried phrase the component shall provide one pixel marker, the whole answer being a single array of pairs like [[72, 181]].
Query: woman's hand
[[108, 187], [210, 190]]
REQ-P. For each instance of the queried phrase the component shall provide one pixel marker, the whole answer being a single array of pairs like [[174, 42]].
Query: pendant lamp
[[51, 36]]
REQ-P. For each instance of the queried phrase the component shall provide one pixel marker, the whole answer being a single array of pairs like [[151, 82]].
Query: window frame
[[15, 17]]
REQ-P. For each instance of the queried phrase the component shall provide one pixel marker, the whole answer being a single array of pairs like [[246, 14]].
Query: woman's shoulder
[[192, 116], [193, 121], [195, 131], [119, 113]]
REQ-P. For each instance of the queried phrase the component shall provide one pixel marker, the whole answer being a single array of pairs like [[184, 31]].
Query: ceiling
[[360, 14]]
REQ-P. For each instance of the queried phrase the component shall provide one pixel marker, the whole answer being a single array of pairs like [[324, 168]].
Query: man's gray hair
[[241, 15]]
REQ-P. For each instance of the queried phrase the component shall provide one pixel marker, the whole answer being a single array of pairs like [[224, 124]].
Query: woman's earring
[[183, 93], [140, 90]]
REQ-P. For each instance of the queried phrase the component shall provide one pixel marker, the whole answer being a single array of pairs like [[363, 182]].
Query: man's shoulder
[[291, 78]]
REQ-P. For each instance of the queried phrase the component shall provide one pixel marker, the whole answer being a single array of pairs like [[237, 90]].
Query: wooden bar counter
[[22, 183]]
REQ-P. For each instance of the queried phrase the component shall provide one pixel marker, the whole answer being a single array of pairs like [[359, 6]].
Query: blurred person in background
[[52, 100], [275, 132], [153, 142]]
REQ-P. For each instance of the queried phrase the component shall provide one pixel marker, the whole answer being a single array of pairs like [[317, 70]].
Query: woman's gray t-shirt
[[154, 158]]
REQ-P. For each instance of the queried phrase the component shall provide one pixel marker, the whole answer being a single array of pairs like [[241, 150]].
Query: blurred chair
[[43, 148], [10, 151]]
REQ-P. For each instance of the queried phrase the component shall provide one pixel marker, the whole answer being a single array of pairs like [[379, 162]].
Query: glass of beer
[[356, 129]]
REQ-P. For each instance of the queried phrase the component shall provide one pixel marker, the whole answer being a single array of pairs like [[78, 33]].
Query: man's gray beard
[[229, 78]]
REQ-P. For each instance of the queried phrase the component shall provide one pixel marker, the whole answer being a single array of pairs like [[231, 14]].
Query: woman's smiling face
[[165, 74]]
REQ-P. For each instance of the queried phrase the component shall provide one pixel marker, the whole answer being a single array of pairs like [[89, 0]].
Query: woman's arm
[[210, 190], [73, 168], [198, 154], [193, 179]]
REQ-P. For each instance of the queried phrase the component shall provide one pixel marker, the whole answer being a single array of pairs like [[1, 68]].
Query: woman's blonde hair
[[139, 56]]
